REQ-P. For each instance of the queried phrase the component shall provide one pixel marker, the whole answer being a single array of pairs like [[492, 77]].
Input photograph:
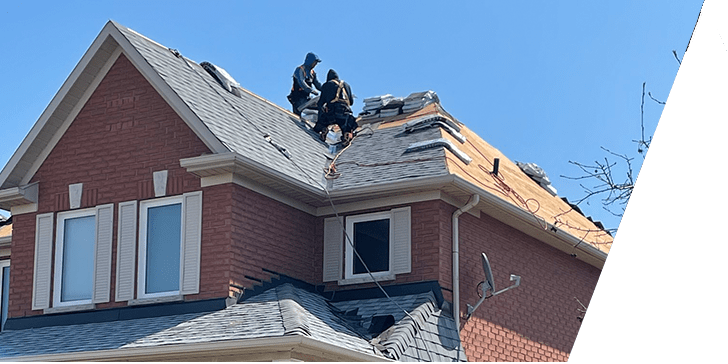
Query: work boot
[[346, 138], [323, 133]]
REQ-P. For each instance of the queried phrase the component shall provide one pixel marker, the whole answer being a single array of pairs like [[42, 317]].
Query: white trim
[[160, 183], [349, 251], [365, 278], [239, 348], [3, 263], [74, 308], [75, 191], [142, 262], [24, 209], [161, 299], [125, 259], [58, 266]]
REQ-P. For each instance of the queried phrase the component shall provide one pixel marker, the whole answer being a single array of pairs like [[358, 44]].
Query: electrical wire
[[348, 239]]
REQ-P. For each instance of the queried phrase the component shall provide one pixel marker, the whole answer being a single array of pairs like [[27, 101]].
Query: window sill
[[63, 309], [366, 279], [148, 301]]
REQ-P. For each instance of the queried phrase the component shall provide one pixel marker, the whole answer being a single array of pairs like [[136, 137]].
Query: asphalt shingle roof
[[280, 311], [239, 122]]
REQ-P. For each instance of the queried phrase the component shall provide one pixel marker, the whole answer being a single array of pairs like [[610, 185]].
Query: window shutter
[[333, 249], [126, 251], [191, 240], [402, 230], [102, 261], [42, 262]]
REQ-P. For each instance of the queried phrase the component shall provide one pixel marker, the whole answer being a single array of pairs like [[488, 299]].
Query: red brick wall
[[272, 235], [534, 322], [124, 132]]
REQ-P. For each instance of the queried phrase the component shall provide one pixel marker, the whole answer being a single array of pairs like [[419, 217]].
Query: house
[[162, 212]]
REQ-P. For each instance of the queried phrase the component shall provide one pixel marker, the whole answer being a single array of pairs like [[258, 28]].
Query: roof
[[274, 148], [278, 312]]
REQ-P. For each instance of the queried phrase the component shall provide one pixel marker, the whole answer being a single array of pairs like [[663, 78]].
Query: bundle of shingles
[[387, 105]]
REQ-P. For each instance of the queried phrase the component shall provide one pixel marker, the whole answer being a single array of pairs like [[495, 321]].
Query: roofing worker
[[304, 79], [334, 107]]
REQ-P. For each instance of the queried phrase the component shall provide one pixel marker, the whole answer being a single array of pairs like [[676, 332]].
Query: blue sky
[[544, 82]]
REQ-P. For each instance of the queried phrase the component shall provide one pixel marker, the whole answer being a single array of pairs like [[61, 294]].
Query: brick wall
[[534, 322], [124, 132], [267, 234]]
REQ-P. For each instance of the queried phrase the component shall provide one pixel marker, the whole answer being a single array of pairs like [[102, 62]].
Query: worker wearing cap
[[334, 107], [304, 81]]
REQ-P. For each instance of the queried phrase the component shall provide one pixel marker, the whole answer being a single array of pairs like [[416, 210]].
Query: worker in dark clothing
[[334, 107], [304, 81]]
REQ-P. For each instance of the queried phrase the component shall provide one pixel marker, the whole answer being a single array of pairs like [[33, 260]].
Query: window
[[75, 248], [370, 234], [159, 252], [4, 291], [381, 239], [169, 246]]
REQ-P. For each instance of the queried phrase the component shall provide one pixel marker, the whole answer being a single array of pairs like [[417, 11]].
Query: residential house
[[162, 212]]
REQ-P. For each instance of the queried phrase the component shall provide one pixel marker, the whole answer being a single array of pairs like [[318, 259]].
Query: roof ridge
[[295, 321]]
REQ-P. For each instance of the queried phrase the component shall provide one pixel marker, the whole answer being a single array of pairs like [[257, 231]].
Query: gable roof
[[272, 147], [280, 312]]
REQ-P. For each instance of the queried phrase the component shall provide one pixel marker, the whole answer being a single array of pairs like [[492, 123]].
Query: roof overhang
[[259, 349], [16, 196]]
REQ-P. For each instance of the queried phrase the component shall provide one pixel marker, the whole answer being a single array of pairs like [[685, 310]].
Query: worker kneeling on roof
[[304, 80], [334, 107]]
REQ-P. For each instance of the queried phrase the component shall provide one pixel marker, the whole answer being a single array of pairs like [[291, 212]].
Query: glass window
[[75, 248], [160, 244], [370, 235], [371, 241], [163, 248]]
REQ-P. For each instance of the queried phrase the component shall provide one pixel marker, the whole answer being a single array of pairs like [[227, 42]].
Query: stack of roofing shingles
[[387, 105]]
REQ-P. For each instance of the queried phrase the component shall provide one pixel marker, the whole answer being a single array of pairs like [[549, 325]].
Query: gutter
[[456, 258], [241, 347]]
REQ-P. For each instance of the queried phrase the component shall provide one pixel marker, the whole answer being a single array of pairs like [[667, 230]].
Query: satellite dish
[[488, 285]]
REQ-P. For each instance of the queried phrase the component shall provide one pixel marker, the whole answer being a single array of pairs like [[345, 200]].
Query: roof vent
[[538, 175], [439, 142], [222, 77]]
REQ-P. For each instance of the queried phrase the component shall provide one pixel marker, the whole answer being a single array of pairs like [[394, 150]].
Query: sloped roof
[[292, 160], [281, 311]]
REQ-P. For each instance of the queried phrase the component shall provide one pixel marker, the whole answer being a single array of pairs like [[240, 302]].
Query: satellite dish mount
[[488, 285]]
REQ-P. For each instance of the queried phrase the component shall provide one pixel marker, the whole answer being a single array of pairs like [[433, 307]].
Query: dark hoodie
[[329, 90], [304, 76]]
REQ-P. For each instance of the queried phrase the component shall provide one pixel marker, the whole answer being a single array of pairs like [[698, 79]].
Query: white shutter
[[333, 249], [42, 262], [126, 251], [102, 261], [191, 240], [402, 244]]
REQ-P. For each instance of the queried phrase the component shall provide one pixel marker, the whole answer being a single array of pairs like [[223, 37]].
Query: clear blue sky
[[544, 82]]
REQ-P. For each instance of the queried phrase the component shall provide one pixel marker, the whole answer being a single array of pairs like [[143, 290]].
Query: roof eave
[[16, 196], [291, 344]]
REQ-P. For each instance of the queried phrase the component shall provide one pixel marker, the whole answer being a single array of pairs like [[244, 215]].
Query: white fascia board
[[294, 343], [235, 163], [16, 196], [564, 241]]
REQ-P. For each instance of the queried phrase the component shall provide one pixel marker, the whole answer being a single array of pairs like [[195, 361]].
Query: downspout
[[456, 259]]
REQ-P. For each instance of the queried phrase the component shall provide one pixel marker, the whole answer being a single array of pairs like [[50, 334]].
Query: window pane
[[78, 258], [163, 248], [6, 292], [371, 240]]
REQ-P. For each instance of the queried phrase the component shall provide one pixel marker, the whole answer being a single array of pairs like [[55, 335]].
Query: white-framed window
[[160, 236], [169, 246], [381, 239], [370, 236], [74, 257], [4, 291]]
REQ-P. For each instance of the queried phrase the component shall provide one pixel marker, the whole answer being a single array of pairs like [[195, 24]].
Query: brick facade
[[126, 131]]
